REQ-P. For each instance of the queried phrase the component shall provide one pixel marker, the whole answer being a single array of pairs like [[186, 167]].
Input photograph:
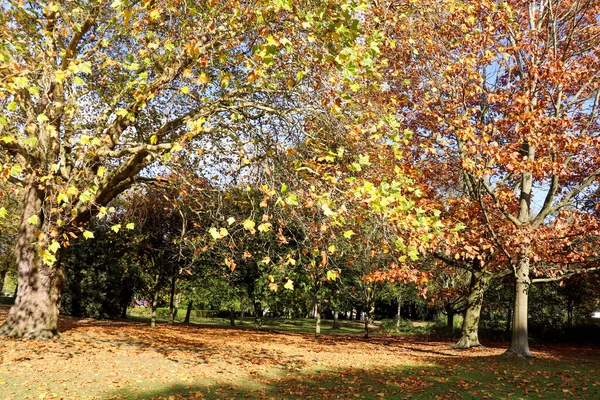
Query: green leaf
[[348, 234], [8, 139], [85, 139], [88, 235], [33, 220], [332, 275], [292, 200], [42, 118], [54, 246], [116, 228], [130, 226], [289, 285], [48, 258], [31, 142], [62, 198], [3, 212]]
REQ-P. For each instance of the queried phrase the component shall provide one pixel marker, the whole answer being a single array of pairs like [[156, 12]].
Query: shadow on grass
[[489, 377]]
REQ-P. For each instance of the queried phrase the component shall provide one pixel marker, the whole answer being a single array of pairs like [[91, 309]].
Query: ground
[[128, 360]]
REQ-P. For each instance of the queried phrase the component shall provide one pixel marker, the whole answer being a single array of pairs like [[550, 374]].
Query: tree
[[93, 94], [510, 104]]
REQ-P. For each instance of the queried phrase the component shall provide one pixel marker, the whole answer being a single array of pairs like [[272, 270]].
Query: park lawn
[[298, 325], [128, 360]]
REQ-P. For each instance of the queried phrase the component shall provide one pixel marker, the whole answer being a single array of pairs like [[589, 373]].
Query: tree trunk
[[470, 327], [172, 299], [2, 279], [399, 311], [258, 315], [154, 305], [508, 322], [35, 312], [450, 319], [369, 313], [188, 313], [318, 319], [124, 311], [519, 344], [570, 313], [336, 320], [232, 317], [242, 317]]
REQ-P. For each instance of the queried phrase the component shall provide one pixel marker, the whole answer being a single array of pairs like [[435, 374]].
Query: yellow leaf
[[130, 226], [266, 227], [348, 234], [88, 235], [249, 225]]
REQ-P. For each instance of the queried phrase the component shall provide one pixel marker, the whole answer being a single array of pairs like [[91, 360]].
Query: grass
[[128, 360], [297, 325]]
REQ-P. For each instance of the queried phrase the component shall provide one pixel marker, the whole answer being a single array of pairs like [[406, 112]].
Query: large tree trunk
[[519, 343], [470, 328], [35, 312]]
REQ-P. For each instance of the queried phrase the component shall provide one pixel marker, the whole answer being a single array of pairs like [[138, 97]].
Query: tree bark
[[519, 344], [450, 319], [399, 311], [470, 327], [154, 303], [172, 299], [232, 317], [2, 279], [318, 319], [258, 315], [369, 312], [336, 320], [35, 312], [188, 313]]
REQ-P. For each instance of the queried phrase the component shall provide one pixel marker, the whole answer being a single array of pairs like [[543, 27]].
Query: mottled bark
[[470, 328], [35, 312], [519, 344]]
